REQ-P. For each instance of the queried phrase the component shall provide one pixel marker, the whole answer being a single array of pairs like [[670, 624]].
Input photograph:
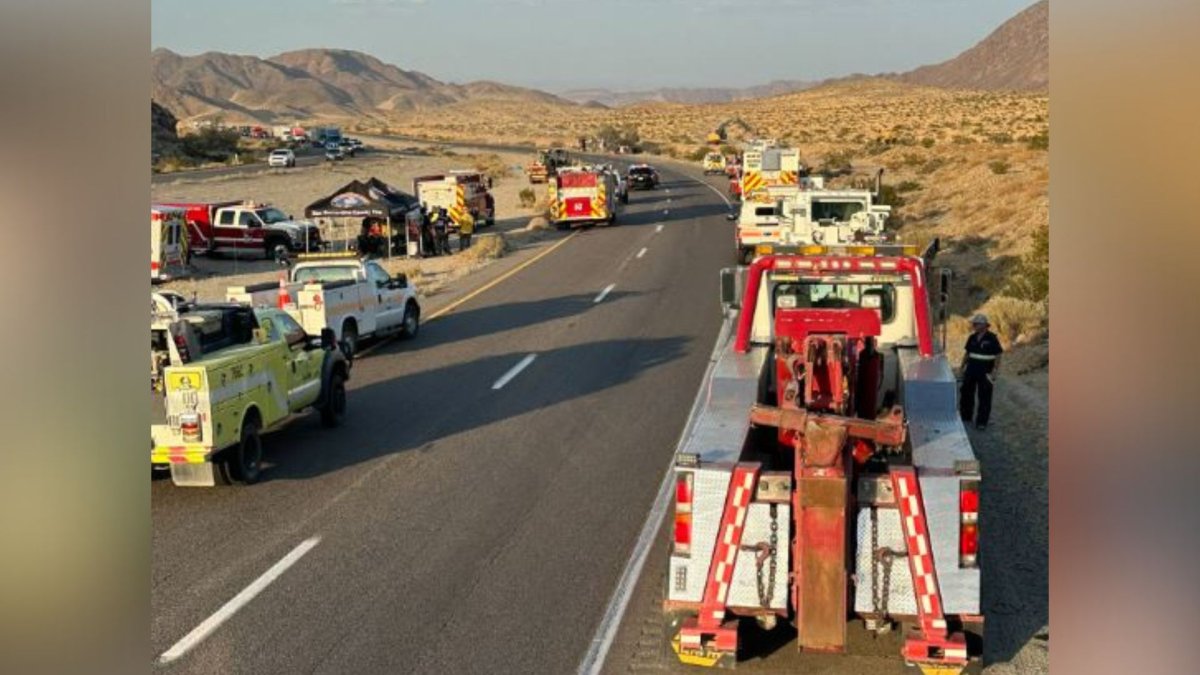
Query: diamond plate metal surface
[[901, 598], [743, 589], [710, 486]]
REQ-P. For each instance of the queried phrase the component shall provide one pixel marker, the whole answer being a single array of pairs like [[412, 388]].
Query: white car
[[281, 157]]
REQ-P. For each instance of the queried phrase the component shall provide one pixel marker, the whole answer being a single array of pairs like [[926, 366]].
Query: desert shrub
[[962, 140], [836, 162], [649, 147], [1031, 278], [492, 166], [728, 150], [913, 159], [890, 196], [999, 166], [877, 146], [214, 145], [1001, 138], [527, 198], [931, 166], [487, 247], [698, 154], [1014, 320], [927, 142], [908, 186], [1039, 141]]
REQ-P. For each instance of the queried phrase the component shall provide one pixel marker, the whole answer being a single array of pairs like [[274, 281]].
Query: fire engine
[[582, 195], [825, 477], [462, 193]]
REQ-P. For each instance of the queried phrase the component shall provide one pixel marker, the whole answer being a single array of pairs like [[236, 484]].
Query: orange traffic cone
[[285, 298]]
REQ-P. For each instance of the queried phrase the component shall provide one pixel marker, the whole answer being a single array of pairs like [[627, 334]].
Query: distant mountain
[[309, 83], [687, 95], [162, 129], [1016, 56]]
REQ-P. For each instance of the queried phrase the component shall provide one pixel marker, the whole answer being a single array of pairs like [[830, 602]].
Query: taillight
[[968, 532], [181, 346], [189, 427], [683, 513]]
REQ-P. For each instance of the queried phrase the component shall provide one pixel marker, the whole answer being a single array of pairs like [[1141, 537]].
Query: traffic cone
[[285, 298]]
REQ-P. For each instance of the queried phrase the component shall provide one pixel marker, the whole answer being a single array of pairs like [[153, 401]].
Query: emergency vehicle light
[[968, 533], [683, 513]]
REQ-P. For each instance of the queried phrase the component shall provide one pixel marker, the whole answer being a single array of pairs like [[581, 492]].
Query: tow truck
[[354, 297], [230, 372], [825, 478]]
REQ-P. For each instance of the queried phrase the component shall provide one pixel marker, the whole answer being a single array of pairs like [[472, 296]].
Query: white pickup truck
[[356, 298]]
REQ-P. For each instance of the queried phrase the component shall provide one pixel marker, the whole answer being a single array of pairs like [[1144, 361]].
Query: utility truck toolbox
[[826, 477]]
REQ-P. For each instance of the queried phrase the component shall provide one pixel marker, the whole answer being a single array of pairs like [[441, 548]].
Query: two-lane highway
[[477, 510]]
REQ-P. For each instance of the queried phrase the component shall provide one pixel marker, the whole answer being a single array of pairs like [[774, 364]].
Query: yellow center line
[[475, 293]]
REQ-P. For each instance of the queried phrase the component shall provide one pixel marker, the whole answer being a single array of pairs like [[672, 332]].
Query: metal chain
[[881, 556], [767, 551]]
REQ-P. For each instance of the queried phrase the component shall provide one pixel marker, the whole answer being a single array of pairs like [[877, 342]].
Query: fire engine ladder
[[929, 643]]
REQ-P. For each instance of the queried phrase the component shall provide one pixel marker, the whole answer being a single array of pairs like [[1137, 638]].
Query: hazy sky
[[617, 44]]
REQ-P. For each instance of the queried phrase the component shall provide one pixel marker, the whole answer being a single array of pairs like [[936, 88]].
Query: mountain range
[[336, 83], [309, 83]]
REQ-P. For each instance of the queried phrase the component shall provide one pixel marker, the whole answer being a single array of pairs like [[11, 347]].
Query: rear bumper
[[187, 453]]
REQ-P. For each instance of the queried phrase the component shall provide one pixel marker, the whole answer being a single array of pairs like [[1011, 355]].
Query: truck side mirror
[[729, 290], [328, 339]]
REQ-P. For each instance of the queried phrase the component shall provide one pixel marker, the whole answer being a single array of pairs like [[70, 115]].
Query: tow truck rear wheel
[[243, 462]]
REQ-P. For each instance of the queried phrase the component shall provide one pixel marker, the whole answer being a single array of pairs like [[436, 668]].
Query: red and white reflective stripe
[[712, 608], [916, 536]]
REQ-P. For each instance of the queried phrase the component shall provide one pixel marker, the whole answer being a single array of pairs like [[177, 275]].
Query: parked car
[[281, 157], [334, 152]]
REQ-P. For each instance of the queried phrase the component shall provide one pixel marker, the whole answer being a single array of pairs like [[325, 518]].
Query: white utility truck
[[356, 298]]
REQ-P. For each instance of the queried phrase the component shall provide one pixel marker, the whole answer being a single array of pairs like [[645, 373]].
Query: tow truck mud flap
[[193, 475]]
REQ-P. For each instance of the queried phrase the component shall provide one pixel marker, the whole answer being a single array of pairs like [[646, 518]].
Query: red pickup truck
[[239, 227]]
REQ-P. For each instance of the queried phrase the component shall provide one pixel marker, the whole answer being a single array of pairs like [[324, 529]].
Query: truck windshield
[[813, 295], [269, 216], [324, 274], [839, 211]]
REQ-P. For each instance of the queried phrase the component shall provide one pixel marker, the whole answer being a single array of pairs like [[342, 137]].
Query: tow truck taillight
[[189, 427], [968, 533], [683, 513]]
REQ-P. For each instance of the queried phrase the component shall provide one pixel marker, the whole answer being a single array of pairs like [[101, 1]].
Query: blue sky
[[616, 44]]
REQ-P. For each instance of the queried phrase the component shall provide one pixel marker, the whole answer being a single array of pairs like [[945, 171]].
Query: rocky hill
[[1016, 56], [309, 83]]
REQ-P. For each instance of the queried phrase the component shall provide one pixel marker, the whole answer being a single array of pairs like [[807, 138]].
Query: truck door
[[390, 310], [304, 364], [226, 233], [250, 231]]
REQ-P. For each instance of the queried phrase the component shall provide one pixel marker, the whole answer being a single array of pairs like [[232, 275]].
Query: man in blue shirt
[[981, 361]]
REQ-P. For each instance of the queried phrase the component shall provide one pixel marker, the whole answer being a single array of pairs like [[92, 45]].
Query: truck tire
[[242, 463], [349, 342], [412, 321], [271, 247], [745, 256], [334, 410]]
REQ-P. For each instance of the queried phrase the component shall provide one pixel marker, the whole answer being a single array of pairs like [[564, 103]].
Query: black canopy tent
[[371, 198]]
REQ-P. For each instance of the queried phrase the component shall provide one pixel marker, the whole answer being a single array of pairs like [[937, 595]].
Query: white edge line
[[659, 228], [606, 632], [715, 190], [642, 252], [514, 371], [206, 628], [604, 293]]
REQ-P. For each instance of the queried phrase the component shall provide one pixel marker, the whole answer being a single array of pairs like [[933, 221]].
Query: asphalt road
[[453, 526]]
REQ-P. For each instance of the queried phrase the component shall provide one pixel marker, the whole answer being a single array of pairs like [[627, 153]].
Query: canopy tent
[[369, 199]]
